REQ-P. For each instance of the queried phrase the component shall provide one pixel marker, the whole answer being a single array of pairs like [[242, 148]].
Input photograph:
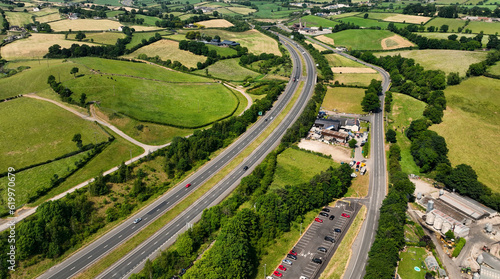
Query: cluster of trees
[[449, 11], [40, 27], [96, 11], [5, 23], [478, 69], [371, 101], [129, 17], [268, 60], [419, 9], [389, 239], [171, 21], [344, 26], [198, 48], [60, 89]]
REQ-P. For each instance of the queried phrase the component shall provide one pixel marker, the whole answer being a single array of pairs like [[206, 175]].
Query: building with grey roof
[[491, 261], [431, 263], [489, 273]]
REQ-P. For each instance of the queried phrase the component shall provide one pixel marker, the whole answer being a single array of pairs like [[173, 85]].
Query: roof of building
[[466, 206], [491, 260], [431, 262], [442, 272], [488, 273], [231, 43], [334, 134], [326, 122]]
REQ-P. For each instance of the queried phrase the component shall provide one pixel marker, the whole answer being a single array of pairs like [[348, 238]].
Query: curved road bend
[[149, 249], [378, 180]]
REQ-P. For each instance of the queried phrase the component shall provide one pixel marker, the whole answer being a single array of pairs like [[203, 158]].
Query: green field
[[441, 59], [18, 18], [438, 35], [356, 79], [344, 99], [222, 51], [108, 38], [405, 109], [486, 27], [107, 2], [270, 10], [361, 39], [344, 15], [298, 166], [179, 104], [337, 60], [114, 13], [367, 23], [148, 20], [228, 69], [311, 20], [413, 257], [138, 36], [495, 69], [28, 140], [471, 127], [453, 24]]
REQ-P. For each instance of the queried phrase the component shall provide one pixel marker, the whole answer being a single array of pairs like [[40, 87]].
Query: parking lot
[[307, 247]]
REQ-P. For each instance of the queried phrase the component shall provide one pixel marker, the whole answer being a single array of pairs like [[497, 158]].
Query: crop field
[[37, 139], [396, 42], [255, 41], [344, 99], [439, 35], [311, 20], [35, 46], [241, 10], [356, 79], [337, 60], [367, 23], [142, 70], [471, 127], [215, 23], [84, 25], [405, 109], [108, 38], [298, 166], [361, 39], [325, 39], [486, 27], [18, 18], [180, 104], [495, 69], [48, 18], [167, 49], [228, 69], [441, 59], [453, 24], [399, 17]]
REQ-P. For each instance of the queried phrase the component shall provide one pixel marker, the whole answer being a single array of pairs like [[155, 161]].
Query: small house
[[229, 43], [431, 263], [36, 9]]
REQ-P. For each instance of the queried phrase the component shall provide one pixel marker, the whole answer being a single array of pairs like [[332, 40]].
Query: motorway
[[150, 248], [378, 180]]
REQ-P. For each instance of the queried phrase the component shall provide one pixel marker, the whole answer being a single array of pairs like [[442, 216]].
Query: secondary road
[[150, 248], [378, 179]]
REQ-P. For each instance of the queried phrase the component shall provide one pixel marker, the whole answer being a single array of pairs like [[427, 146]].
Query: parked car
[[318, 220], [285, 261], [324, 214], [303, 277], [277, 273], [318, 261], [327, 238], [322, 249], [325, 210], [332, 217], [137, 220], [337, 230], [292, 252], [281, 267], [290, 256], [346, 215], [187, 185]]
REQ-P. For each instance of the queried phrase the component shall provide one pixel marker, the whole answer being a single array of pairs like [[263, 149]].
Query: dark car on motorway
[[290, 256], [316, 260], [325, 210], [332, 217], [322, 249], [245, 168], [324, 214], [327, 238]]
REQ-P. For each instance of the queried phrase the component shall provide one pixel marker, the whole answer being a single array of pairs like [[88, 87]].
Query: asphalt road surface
[[307, 247], [378, 180], [134, 261]]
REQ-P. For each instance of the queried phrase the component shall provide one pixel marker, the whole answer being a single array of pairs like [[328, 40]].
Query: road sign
[[260, 113]]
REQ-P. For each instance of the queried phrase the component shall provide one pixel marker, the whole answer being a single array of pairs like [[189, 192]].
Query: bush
[[390, 136], [458, 248]]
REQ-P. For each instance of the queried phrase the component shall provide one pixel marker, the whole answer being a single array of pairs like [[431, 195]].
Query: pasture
[[107, 38], [296, 166], [311, 20], [272, 10], [367, 22], [180, 104], [137, 37], [228, 69], [441, 59], [167, 49], [405, 109], [242, 10], [215, 23], [18, 18], [453, 24], [495, 69], [398, 17], [35, 46], [439, 35], [255, 41], [471, 127], [337, 60], [48, 18], [356, 79], [84, 25], [148, 20], [487, 27], [31, 140], [222, 51], [344, 99], [361, 39], [344, 15]]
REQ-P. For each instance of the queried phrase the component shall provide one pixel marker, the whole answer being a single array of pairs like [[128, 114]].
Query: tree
[[74, 71], [83, 99], [449, 235], [390, 136], [452, 37], [365, 15], [453, 79], [476, 69], [80, 36], [78, 139], [99, 186], [434, 114], [370, 102], [444, 28], [352, 143]]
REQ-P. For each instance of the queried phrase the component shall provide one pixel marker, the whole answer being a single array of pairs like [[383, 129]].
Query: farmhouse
[[36, 9], [73, 16], [15, 28], [229, 43], [329, 124]]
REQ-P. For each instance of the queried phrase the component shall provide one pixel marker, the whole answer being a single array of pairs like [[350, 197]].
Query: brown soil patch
[[325, 39], [352, 70], [339, 154], [401, 42]]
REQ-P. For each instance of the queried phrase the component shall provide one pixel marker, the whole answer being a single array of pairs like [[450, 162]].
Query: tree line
[[95, 11], [371, 101], [450, 11]]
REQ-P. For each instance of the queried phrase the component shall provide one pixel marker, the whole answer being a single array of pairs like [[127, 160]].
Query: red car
[[187, 185], [318, 220], [277, 273], [345, 215], [281, 267], [292, 252]]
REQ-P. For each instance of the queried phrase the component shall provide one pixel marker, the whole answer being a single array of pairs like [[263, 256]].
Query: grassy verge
[[359, 187], [128, 246], [338, 263]]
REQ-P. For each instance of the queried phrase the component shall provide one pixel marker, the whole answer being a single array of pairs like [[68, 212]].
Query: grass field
[[356, 79], [228, 69], [413, 257], [486, 27], [404, 110], [35, 46], [440, 59], [148, 20], [298, 166], [84, 25], [399, 17], [311, 20], [222, 51], [215, 23], [139, 36], [48, 18], [108, 38], [495, 69], [367, 23], [37, 139], [168, 49], [242, 10], [453, 24], [255, 41], [344, 15], [270, 10], [337, 60], [344, 99], [471, 127], [18, 18], [181, 104], [438, 35], [361, 39]]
